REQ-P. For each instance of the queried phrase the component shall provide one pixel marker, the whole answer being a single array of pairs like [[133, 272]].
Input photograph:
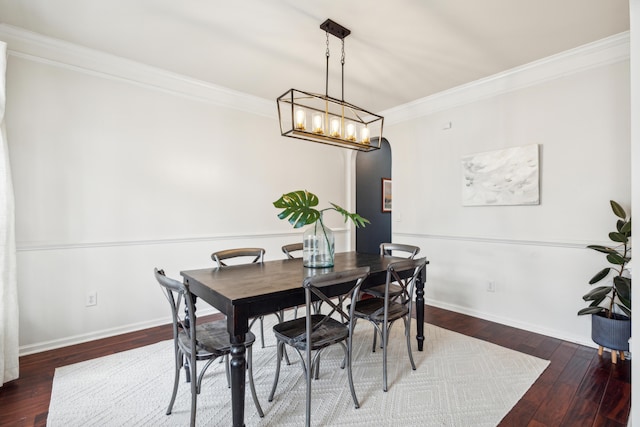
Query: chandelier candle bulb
[[365, 135], [301, 120], [335, 127], [317, 124], [351, 132]]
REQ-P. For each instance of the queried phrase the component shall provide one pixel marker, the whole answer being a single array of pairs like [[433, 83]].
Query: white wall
[[576, 107], [119, 168]]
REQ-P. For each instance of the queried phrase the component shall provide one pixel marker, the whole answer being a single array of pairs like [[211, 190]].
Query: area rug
[[459, 381]]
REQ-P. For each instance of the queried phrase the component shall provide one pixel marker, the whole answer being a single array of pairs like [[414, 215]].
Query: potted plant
[[610, 304], [318, 241]]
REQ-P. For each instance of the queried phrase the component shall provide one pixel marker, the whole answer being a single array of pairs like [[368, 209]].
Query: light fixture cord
[[326, 77], [342, 62]]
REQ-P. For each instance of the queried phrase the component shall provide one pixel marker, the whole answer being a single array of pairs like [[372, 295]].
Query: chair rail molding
[[46, 246], [504, 241]]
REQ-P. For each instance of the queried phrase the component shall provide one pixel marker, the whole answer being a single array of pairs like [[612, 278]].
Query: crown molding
[[609, 50], [38, 48]]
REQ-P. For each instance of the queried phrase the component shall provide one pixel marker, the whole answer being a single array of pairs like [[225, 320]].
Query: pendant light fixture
[[321, 118]]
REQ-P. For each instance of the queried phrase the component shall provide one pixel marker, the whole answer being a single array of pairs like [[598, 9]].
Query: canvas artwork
[[501, 177]]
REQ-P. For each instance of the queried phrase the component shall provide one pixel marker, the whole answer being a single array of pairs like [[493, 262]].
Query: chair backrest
[[395, 272], [290, 248], [315, 291], [407, 251], [254, 254], [177, 293]]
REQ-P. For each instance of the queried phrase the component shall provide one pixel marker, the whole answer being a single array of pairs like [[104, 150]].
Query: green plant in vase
[[299, 208]]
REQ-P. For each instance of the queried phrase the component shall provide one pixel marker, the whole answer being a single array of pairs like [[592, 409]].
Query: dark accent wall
[[371, 167]]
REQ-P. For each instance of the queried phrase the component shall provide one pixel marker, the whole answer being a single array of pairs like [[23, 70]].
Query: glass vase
[[318, 246]]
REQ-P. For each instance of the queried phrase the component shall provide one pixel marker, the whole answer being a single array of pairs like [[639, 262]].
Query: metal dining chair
[[206, 341], [383, 312], [243, 256], [398, 250], [311, 334], [290, 250]]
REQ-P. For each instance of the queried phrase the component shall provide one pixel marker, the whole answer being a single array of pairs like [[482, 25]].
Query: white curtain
[[8, 282]]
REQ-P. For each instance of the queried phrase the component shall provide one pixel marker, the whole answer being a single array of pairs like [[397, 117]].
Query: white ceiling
[[398, 51]]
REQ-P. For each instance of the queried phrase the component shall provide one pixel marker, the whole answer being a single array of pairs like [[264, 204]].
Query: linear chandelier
[[321, 118]]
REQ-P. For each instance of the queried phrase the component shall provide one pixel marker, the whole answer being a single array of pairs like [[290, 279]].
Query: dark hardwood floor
[[579, 388]]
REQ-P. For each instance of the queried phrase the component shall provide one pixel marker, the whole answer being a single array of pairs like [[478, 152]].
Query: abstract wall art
[[502, 177]]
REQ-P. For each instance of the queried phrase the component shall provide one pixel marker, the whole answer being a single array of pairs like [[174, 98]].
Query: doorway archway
[[371, 167]]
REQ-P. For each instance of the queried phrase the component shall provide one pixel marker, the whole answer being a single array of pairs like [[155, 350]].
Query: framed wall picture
[[386, 194], [502, 177]]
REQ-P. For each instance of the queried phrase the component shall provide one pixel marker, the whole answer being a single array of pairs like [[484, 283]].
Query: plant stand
[[611, 333], [614, 354]]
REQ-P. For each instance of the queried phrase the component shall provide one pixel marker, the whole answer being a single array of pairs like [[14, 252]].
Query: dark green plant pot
[[611, 333]]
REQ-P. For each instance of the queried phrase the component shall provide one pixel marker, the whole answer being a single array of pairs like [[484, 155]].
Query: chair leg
[[407, 333], [280, 320], [194, 388], [178, 361], [316, 366], [308, 373], [385, 337], [187, 369], [375, 338], [262, 330], [275, 381], [226, 368], [251, 384], [350, 374], [376, 332]]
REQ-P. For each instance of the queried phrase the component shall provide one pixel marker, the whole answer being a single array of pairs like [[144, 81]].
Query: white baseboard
[[553, 333], [104, 333]]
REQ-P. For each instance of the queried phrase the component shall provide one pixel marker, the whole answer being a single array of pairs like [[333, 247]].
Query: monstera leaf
[[299, 209]]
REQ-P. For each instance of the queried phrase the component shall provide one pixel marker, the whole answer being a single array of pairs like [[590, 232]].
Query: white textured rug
[[460, 381]]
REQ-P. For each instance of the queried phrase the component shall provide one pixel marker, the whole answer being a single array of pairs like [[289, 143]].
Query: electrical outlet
[[491, 286], [92, 299]]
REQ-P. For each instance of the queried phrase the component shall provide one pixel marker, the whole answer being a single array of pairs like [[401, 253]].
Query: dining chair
[[194, 342], [311, 334], [397, 250], [383, 312], [290, 250], [243, 256], [393, 249]]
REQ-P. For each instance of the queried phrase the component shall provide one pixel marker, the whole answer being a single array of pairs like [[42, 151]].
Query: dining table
[[242, 292]]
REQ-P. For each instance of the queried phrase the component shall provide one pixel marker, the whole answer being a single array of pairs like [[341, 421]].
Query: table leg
[[238, 369], [420, 309]]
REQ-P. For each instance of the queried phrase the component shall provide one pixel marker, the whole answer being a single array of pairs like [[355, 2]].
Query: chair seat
[[293, 332], [372, 309], [212, 340], [378, 291]]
